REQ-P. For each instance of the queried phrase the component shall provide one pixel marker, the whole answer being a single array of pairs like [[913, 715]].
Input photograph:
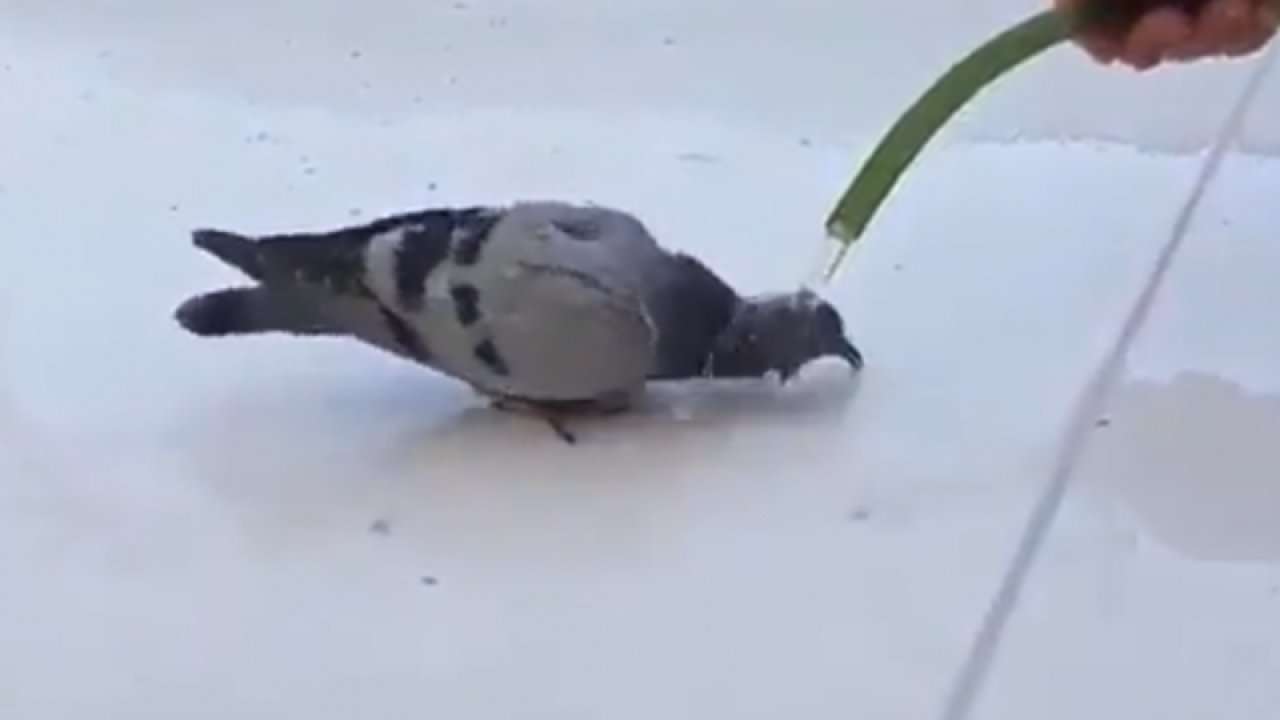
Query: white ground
[[281, 529]]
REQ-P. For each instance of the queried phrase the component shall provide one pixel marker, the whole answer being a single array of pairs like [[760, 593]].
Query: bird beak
[[851, 355]]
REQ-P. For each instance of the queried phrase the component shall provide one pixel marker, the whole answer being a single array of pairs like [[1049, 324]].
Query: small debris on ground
[[380, 527], [860, 514], [430, 581], [1102, 423], [696, 157]]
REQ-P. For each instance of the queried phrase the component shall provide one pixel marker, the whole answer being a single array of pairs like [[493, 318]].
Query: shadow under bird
[[550, 308]]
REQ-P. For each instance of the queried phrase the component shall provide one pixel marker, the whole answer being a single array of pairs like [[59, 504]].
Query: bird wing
[[559, 300]]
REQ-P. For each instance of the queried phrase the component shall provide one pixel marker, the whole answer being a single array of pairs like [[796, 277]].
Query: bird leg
[[556, 413], [555, 419], [558, 427]]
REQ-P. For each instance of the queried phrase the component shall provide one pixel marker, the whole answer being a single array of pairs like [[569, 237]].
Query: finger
[[1222, 25], [1248, 44], [1156, 35], [1202, 43], [1102, 47], [1262, 28]]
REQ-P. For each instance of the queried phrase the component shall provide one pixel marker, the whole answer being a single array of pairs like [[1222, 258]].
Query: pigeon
[[545, 307]]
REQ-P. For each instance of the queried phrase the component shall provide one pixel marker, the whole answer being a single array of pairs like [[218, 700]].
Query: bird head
[[781, 333]]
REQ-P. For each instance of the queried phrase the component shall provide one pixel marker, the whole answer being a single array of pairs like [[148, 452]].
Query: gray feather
[[553, 309], [263, 309], [238, 251], [541, 301], [240, 311]]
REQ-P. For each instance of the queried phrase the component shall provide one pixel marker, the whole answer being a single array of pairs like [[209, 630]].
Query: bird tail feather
[[239, 251], [247, 311]]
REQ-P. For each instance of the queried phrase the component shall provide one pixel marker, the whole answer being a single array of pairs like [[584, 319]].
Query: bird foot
[[556, 420], [557, 414], [558, 426]]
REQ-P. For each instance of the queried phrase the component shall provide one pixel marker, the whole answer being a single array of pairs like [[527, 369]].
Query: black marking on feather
[[466, 303], [471, 232], [405, 337], [334, 260], [423, 247], [486, 352]]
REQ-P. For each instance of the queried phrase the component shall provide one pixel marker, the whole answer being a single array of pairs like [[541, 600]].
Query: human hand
[[1223, 28]]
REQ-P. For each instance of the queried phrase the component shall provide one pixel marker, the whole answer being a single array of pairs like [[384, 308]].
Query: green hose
[[908, 136]]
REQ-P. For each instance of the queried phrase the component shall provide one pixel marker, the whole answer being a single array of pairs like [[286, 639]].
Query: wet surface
[[1197, 461], [830, 68], [284, 528], [1158, 592]]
